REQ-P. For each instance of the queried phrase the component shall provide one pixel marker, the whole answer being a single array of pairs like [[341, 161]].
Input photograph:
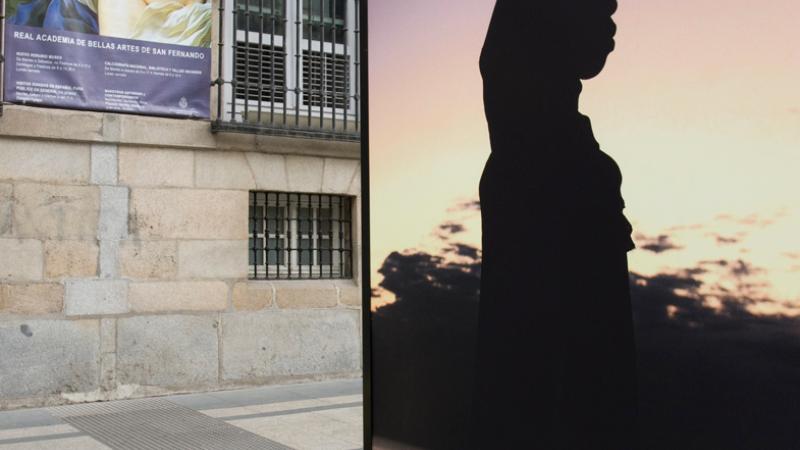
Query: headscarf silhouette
[[556, 360]]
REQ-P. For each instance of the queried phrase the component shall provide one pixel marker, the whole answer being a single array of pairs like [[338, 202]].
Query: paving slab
[[309, 416]]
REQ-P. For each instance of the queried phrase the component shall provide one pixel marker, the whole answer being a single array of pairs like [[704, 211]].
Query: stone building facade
[[124, 265]]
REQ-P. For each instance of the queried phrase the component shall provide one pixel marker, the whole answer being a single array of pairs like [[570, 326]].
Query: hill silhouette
[[709, 377]]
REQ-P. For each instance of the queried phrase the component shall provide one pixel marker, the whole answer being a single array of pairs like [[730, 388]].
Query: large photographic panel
[[699, 106]]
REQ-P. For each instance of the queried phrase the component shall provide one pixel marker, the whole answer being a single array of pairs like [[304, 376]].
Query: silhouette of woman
[[556, 359]]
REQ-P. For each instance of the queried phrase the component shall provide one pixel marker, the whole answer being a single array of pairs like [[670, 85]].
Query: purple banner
[[85, 71]]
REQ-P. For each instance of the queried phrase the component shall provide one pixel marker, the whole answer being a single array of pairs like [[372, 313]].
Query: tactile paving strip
[[159, 424]]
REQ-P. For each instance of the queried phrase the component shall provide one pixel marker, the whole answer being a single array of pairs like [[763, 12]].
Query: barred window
[[326, 63], [300, 236], [260, 73], [326, 80], [259, 50], [327, 20], [261, 16], [294, 64]]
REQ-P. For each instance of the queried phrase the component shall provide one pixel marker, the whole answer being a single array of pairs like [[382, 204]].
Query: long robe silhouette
[[556, 357]]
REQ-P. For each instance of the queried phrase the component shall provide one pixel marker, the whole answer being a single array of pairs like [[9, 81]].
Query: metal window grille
[[330, 69], [320, 15], [300, 236], [259, 85], [289, 67]]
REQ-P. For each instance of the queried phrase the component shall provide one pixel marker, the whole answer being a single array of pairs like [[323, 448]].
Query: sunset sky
[[699, 105]]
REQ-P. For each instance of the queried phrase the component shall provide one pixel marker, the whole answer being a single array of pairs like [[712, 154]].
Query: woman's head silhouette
[[568, 39]]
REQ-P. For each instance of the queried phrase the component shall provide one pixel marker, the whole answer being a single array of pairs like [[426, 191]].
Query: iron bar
[[253, 232], [264, 219], [261, 59], [271, 60], [220, 56], [246, 112], [330, 233], [346, 83], [308, 86], [357, 37], [298, 31], [310, 242], [323, 68], [285, 53], [341, 237], [288, 236], [333, 46], [235, 43]]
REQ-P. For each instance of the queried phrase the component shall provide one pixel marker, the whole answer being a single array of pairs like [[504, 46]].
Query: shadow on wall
[[710, 377]]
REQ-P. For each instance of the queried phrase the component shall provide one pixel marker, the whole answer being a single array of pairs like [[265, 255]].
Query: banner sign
[[137, 56]]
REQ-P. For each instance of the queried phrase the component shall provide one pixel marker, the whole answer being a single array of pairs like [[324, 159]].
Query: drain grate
[[158, 424]]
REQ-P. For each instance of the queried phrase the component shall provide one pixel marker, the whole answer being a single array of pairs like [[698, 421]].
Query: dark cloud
[[712, 374], [472, 205], [682, 299], [452, 227], [719, 262], [692, 227], [726, 240], [411, 274], [464, 250], [660, 244], [752, 220], [742, 268]]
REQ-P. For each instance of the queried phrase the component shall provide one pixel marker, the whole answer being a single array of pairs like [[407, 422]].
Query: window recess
[[289, 67], [300, 236]]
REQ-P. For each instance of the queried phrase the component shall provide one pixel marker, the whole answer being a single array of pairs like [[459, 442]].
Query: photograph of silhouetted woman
[[556, 354]]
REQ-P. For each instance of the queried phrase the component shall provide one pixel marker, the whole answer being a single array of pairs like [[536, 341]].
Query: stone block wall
[[123, 262]]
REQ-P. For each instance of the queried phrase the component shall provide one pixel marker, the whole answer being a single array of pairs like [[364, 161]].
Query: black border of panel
[[366, 283]]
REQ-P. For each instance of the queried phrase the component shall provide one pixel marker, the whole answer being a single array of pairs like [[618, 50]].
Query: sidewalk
[[325, 415]]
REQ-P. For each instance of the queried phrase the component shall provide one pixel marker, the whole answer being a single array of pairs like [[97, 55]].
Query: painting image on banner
[[136, 56]]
